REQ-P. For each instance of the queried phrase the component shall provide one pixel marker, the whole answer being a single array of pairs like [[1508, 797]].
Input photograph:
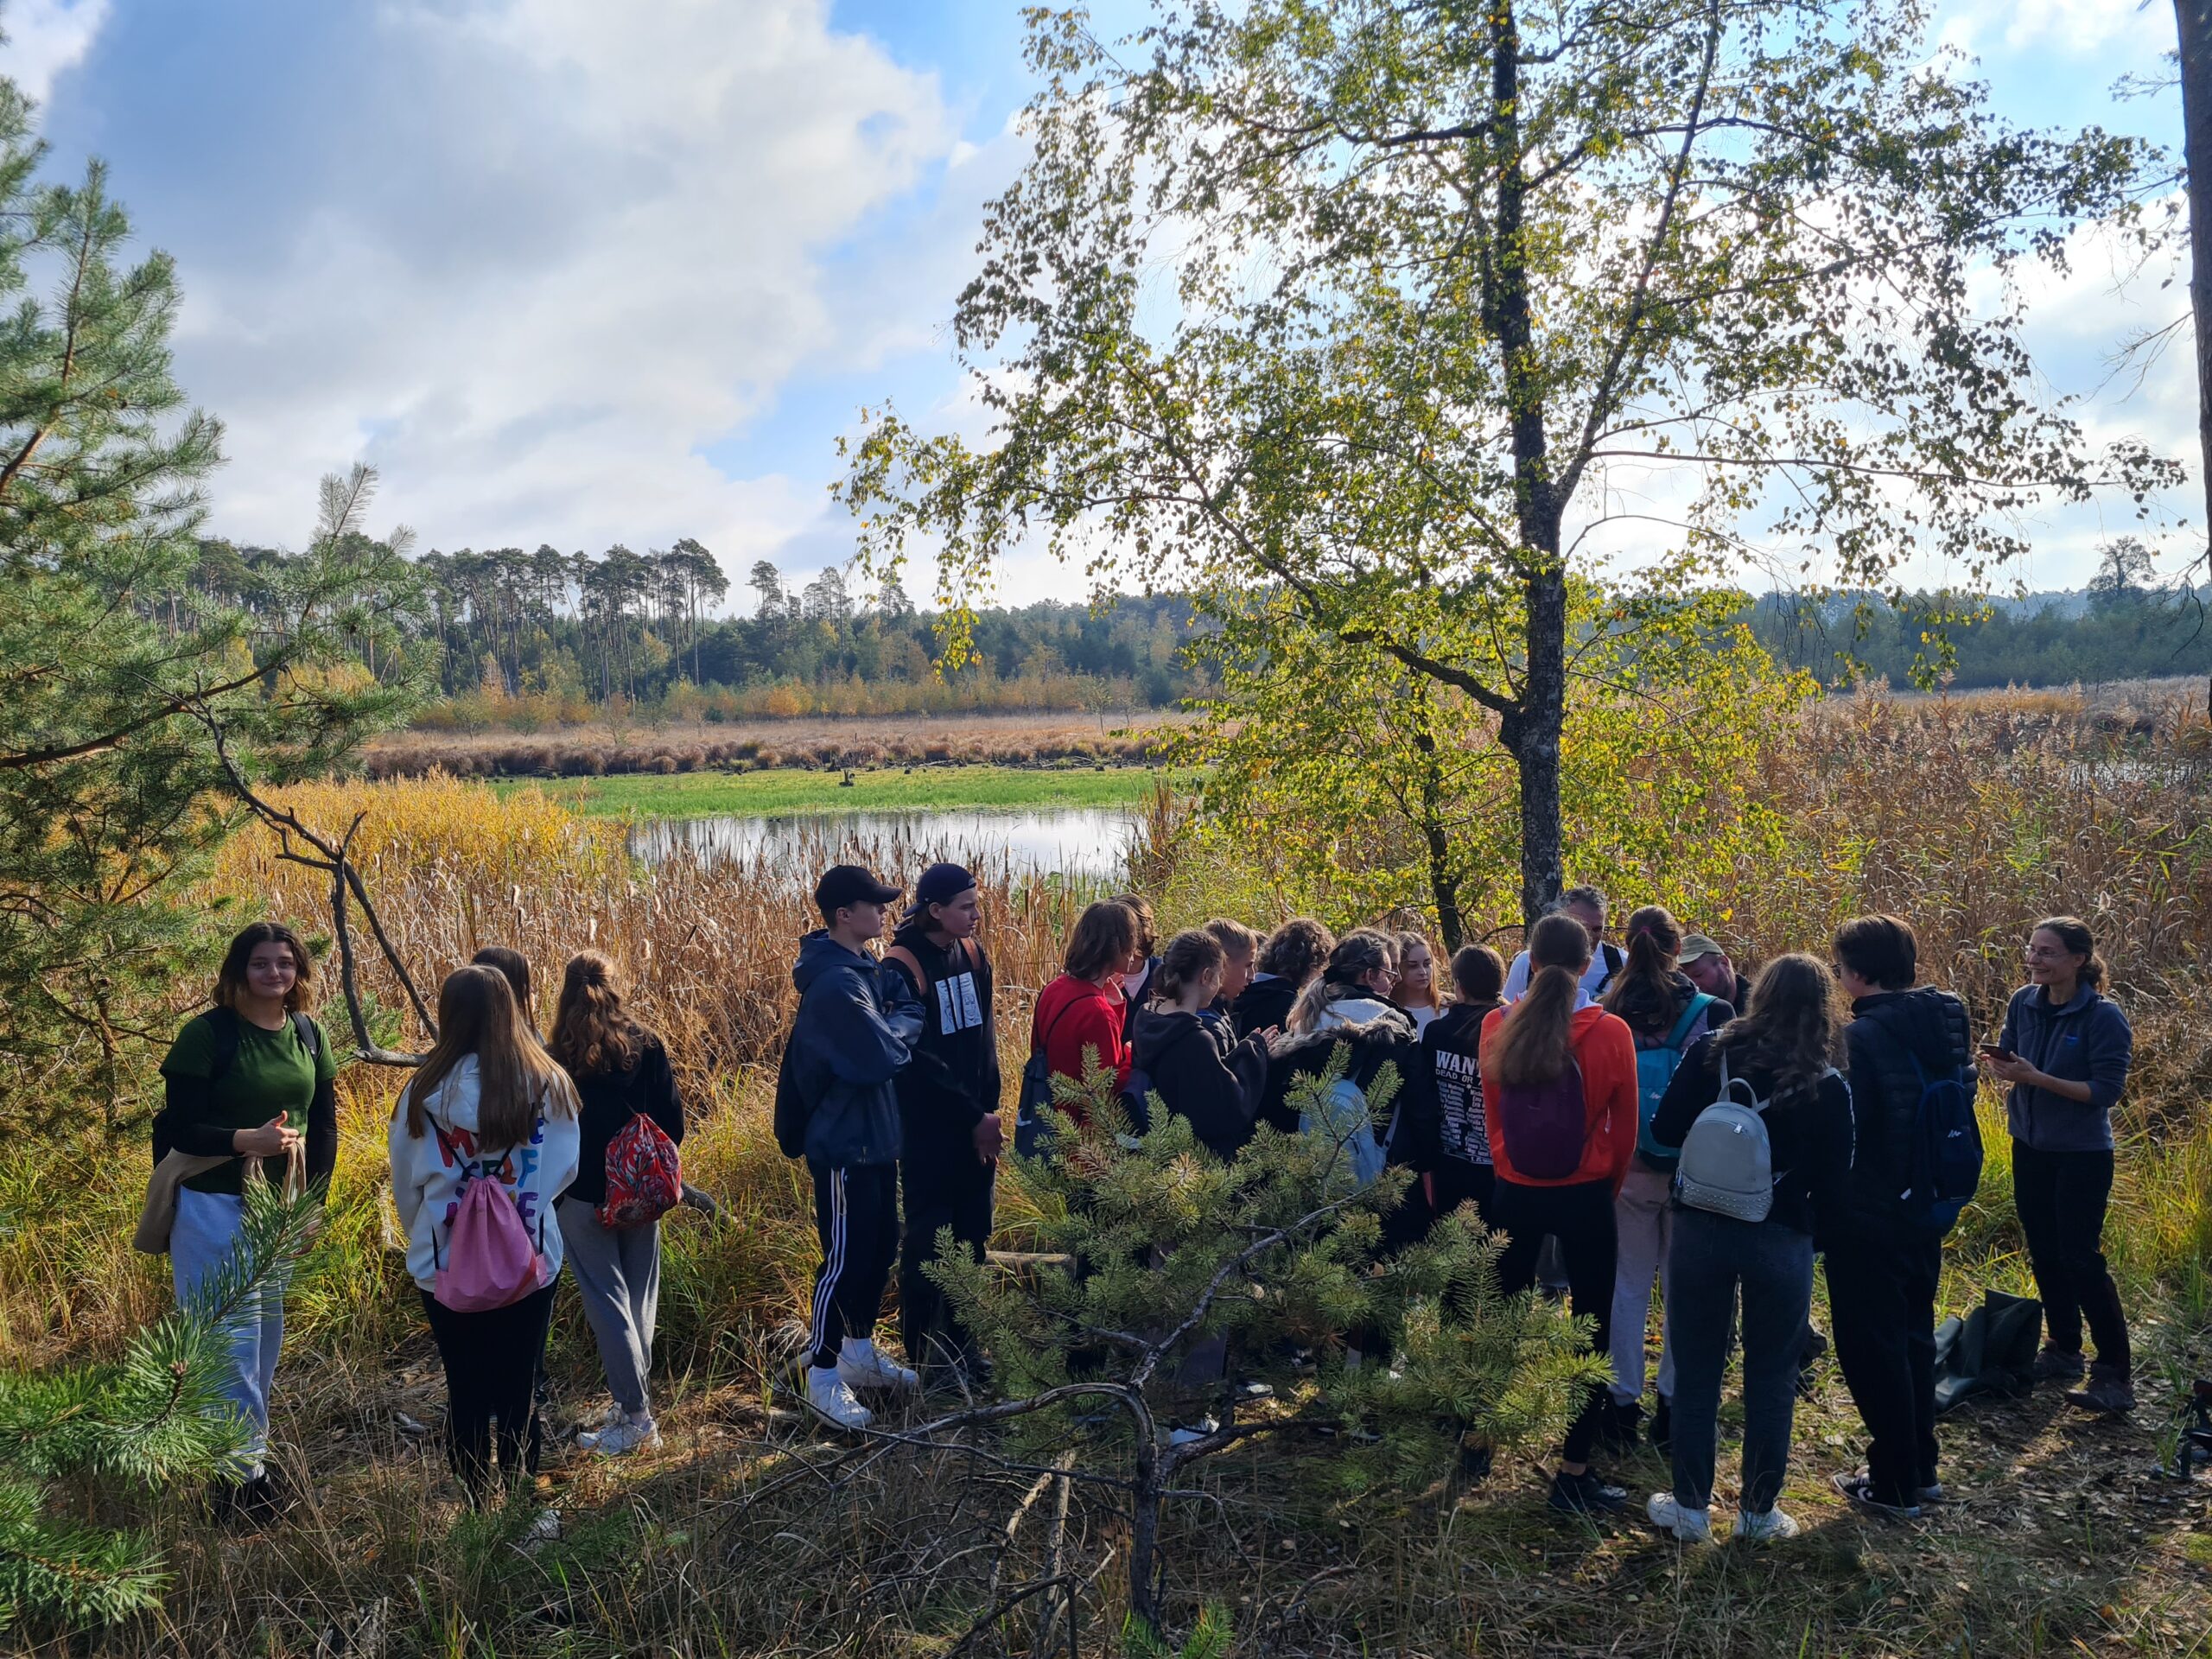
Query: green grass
[[713, 794]]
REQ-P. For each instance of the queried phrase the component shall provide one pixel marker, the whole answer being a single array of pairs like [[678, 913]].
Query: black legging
[[2061, 1198], [1581, 1218], [491, 1362]]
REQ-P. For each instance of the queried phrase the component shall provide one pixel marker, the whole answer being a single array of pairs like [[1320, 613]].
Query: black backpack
[[225, 1023]]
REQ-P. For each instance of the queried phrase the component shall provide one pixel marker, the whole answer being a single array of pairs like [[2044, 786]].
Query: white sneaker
[[864, 1368], [623, 1439], [605, 1417], [830, 1399], [1772, 1527], [1691, 1526]]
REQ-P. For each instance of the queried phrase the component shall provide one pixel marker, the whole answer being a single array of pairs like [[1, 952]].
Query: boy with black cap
[[948, 1109], [846, 1047]]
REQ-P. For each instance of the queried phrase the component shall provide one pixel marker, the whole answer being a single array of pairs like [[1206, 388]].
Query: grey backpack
[[1727, 1164]]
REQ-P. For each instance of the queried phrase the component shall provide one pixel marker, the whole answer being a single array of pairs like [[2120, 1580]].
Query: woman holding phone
[[2065, 1053]]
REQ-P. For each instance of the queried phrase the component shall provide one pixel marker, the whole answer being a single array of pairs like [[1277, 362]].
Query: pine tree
[[156, 1420], [1277, 1251], [116, 663]]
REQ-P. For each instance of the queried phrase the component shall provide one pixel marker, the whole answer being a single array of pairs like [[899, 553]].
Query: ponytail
[[1654, 941], [1188, 960], [1356, 954], [1532, 1044]]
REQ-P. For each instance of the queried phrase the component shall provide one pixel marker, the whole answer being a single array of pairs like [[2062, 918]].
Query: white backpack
[[1727, 1164]]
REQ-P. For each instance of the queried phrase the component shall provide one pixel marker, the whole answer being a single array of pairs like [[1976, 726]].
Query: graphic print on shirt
[[1459, 1102], [458, 1147], [958, 1008]]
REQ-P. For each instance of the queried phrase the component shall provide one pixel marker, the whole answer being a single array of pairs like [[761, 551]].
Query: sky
[[576, 273]]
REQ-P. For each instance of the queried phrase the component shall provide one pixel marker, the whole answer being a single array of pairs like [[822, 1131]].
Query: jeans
[[945, 1185], [617, 1273], [2061, 1198], [491, 1361], [1882, 1292], [1643, 1221], [1712, 1257], [857, 1218], [1580, 1217], [202, 1243]]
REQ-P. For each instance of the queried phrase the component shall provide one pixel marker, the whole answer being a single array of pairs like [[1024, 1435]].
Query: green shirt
[[273, 1073]]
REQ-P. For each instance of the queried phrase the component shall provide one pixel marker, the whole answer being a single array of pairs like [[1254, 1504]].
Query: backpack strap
[[1758, 1106], [224, 1022], [908, 960], [1681, 1033]]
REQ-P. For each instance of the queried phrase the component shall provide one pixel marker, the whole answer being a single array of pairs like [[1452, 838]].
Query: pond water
[[1073, 840]]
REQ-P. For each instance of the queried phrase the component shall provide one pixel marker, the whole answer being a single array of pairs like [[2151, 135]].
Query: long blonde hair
[[1532, 1044], [591, 1032], [478, 1015]]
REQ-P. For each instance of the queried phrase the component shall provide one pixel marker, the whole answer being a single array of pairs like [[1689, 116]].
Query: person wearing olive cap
[[1706, 966], [846, 1046], [948, 1110]]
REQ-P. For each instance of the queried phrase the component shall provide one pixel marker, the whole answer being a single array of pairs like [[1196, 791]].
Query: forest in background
[[534, 641]]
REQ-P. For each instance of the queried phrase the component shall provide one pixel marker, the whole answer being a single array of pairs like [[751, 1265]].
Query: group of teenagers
[[1554, 1094], [248, 1096]]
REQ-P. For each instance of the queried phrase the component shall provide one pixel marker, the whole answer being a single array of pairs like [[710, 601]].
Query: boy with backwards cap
[[846, 1047], [948, 1108]]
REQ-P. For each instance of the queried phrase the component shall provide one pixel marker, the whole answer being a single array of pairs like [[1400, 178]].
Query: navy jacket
[[845, 1050], [1889, 1032], [2088, 1041]]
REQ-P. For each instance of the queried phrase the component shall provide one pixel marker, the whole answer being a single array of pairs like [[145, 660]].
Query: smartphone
[[1996, 1054]]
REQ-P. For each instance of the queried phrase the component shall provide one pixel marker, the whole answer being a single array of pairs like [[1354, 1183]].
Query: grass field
[[713, 794]]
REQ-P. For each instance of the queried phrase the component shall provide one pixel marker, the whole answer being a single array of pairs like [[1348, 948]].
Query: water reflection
[[1090, 842]]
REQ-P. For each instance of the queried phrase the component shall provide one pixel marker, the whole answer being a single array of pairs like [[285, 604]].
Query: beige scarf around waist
[[158, 1219]]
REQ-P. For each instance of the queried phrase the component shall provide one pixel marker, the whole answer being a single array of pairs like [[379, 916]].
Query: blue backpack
[[1946, 1148], [1655, 1070]]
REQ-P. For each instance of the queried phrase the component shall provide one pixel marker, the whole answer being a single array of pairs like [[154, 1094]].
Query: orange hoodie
[[1605, 1050]]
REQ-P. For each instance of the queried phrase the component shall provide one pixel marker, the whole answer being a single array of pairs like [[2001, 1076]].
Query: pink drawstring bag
[[489, 1261]]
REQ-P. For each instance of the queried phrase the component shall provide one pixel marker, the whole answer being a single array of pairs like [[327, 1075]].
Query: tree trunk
[[1530, 732], [2194, 20], [1144, 1536], [1443, 886]]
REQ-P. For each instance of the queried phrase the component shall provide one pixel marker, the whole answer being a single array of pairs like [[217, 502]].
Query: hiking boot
[[619, 1439], [1859, 1489], [1662, 1426], [1585, 1494], [1691, 1526], [864, 1368], [2056, 1365], [829, 1398], [1772, 1527], [1617, 1427], [2109, 1391]]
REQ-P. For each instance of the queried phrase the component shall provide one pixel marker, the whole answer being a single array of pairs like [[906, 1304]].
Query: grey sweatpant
[[618, 1271]]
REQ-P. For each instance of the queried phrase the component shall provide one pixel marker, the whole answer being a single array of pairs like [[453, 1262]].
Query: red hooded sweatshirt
[[1605, 1050], [1074, 1014]]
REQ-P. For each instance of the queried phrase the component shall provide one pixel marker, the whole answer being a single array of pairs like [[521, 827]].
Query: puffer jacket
[[1890, 1034], [1374, 1033]]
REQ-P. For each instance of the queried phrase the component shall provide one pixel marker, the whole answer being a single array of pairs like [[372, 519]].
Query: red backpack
[[644, 1179]]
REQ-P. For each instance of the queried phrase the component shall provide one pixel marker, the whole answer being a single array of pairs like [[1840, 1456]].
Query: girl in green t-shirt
[[250, 1078]]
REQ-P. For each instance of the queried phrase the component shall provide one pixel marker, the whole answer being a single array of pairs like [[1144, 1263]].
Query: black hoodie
[[952, 1080], [1266, 1002], [1200, 1072], [1888, 1032]]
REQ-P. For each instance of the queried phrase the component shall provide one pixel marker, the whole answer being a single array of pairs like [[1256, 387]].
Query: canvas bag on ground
[[644, 1175], [1991, 1351], [489, 1261]]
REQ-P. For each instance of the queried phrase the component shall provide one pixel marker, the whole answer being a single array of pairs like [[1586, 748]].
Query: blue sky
[[573, 280]]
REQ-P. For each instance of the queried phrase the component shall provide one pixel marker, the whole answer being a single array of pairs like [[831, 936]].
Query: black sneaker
[[1585, 1494], [2109, 1391], [2056, 1365], [1662, 1426], [1617, 1427], [1859, 1489]]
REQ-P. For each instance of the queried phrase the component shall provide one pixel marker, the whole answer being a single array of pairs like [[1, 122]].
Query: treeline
[[2122, 633]]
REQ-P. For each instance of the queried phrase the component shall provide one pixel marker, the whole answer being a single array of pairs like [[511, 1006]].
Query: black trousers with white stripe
[[856, 1217]]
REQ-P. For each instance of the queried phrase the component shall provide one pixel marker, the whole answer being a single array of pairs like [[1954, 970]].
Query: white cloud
[[599, 242], [44, 37], [2069, 25]]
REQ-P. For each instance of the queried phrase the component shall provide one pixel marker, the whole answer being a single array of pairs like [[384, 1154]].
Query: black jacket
[[952, 1081], [1451, 1058], [1888, 1032], [608, 1101], [1809, 1132], [1264, 1002], [1375, 1034], [845, 1049], [1200, 1071]]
